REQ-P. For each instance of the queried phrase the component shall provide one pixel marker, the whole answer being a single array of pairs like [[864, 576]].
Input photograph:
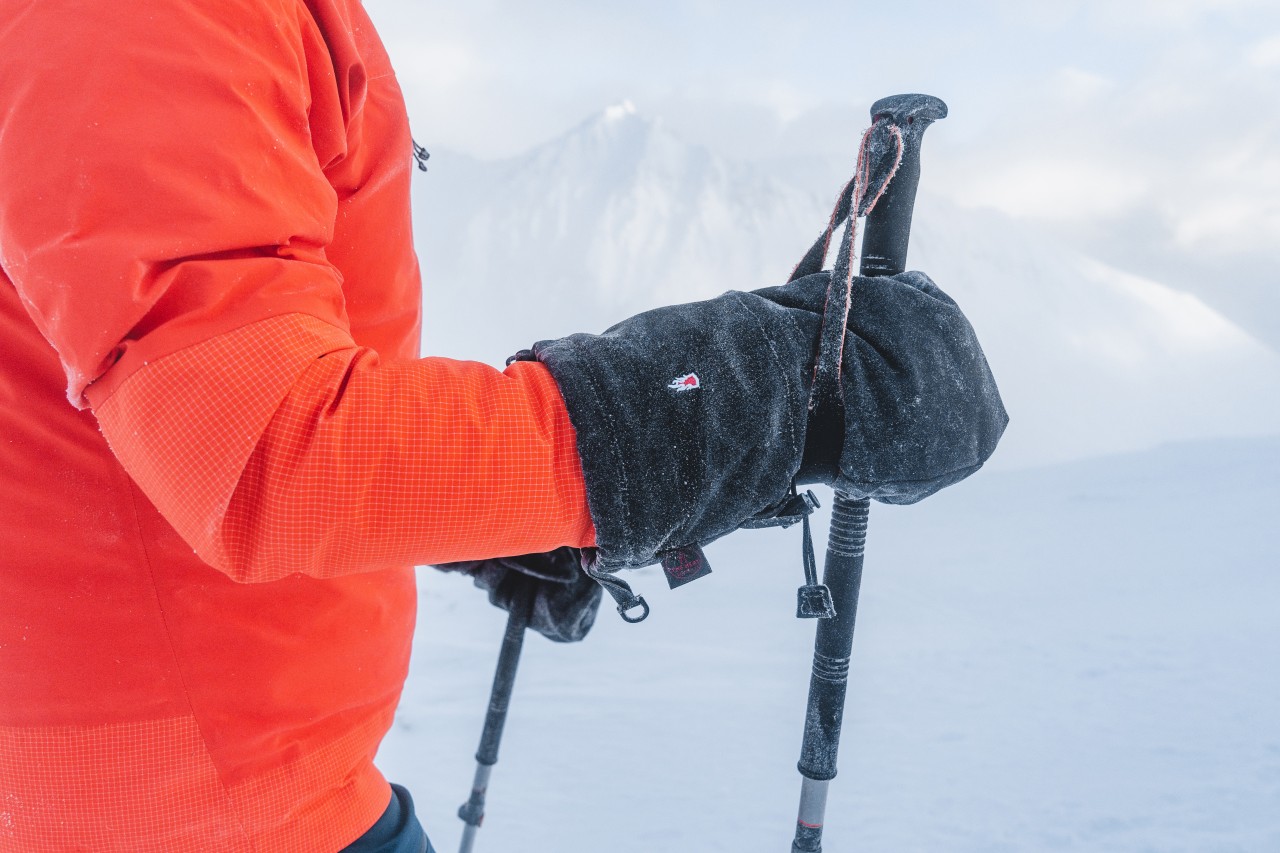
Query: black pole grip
[[888, 228]]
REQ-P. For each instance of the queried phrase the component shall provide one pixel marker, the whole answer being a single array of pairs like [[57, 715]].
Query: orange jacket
[[205, 246]]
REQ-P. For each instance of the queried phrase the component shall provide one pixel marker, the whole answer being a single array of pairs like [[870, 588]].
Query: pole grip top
[[906, 111]]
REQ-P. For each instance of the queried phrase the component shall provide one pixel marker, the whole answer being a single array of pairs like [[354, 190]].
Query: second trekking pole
[[472, 811]]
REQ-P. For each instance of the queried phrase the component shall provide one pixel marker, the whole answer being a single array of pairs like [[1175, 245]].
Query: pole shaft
[[830, 678], [834, 642], [504, 677], [468, 838], [813, 807]]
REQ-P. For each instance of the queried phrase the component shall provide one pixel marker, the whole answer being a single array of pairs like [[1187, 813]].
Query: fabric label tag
[[684, 565]]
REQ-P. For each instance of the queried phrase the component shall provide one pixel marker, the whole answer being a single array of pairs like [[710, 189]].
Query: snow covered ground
[[1080, 657]]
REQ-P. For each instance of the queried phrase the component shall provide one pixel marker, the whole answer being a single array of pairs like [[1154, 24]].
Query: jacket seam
[[128, 379]]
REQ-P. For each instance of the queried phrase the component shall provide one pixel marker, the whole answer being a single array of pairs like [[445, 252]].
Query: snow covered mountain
[[618, 215]]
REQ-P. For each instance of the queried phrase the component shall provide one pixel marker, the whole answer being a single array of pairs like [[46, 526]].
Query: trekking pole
[[903, 118], [504, 677]]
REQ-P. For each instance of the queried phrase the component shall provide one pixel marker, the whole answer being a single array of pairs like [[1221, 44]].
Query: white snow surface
[[619, 215], [1075, 658]]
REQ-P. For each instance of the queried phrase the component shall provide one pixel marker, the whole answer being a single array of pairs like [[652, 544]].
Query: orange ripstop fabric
[[220, 455], [362, 465]]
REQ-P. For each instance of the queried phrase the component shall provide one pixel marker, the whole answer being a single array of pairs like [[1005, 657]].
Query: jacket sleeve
[[164, 216]]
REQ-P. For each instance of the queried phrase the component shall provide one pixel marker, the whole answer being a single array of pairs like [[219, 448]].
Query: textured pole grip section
[[888, 228], [843, 575]]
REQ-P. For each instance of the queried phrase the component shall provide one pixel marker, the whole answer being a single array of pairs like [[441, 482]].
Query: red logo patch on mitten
[[688, 382]]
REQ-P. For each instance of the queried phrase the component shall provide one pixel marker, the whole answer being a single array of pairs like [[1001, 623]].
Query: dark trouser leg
[[397, 831]]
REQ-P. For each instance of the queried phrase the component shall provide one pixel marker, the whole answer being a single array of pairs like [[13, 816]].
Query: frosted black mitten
[[565, 600], [690, 419], [921, 409]]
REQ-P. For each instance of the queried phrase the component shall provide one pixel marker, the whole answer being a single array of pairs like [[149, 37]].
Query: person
[[222, 455]]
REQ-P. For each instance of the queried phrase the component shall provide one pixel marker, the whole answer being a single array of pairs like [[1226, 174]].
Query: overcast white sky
[[1148, 131]]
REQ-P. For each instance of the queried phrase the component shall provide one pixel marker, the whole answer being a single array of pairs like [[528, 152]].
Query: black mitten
[[565, 599], [921, 409], [692, 419]]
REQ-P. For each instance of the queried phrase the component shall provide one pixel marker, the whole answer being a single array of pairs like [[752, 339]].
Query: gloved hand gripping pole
[[884, 189]]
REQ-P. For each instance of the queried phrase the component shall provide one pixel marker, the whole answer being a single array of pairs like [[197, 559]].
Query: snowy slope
[[1078, 658], [613, 217], [618, 215]]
